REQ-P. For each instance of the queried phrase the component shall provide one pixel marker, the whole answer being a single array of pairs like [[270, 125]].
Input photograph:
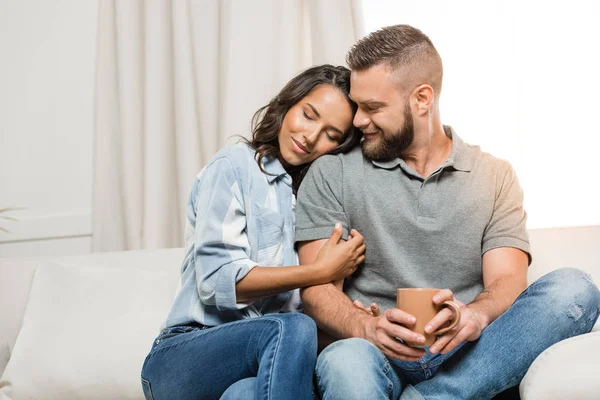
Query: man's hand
[[469, 328], [373, 310], [385, 330]]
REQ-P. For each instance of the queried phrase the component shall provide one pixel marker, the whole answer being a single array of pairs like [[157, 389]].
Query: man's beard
[[390, 146]]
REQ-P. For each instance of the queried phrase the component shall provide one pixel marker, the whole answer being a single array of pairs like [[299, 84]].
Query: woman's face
[[314, 126]]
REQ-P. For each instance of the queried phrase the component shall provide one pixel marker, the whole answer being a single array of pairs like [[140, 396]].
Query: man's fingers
[[458, 339], [359, 260], [440, 343], [453, 340], [358, 304], [443, 295], [400, 317], [375, 309], [393, 330], [439, 320], [398, 350], [361, 306]]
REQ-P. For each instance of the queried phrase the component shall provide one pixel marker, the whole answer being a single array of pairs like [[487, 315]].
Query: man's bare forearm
[[333, 311], [496, 298]]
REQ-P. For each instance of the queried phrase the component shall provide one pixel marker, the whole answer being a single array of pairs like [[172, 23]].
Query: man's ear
[[423, 96]]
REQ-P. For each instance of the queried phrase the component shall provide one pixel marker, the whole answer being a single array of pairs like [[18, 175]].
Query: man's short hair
[[404, 49]]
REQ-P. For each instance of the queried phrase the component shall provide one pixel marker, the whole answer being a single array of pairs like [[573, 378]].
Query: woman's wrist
[[318, 274]]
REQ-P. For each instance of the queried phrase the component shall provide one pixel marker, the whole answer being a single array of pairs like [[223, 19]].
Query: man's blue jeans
[[561, 304], [271, 357]]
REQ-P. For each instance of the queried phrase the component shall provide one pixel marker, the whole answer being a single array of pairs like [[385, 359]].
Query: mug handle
[[456, 309]]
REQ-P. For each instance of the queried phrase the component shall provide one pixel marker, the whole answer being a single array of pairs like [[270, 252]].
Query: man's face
[[383, 115]]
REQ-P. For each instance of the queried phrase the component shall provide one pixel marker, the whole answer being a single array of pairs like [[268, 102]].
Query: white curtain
[[174, 80]]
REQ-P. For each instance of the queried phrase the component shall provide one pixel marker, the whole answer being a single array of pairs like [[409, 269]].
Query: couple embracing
[[349, 188]]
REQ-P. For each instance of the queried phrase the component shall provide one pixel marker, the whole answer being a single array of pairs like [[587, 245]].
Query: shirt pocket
[[270, 236]]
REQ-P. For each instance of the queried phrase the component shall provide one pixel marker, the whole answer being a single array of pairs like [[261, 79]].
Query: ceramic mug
[[418, 302]]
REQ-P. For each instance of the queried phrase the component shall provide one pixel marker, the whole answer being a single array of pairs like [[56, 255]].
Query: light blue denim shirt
[[237, 218]]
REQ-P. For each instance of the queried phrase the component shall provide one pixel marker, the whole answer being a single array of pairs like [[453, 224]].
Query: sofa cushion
[[86, 332], [16, 275], [564, 371]]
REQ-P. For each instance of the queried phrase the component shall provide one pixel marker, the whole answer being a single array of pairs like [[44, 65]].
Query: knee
[[298, 328], [351, 368], [571, 290], [302, 325], [241, 389], [346, 353]]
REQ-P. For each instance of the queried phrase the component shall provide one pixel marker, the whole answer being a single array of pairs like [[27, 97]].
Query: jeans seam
[[387, 367], [146, 384], [274, 353]]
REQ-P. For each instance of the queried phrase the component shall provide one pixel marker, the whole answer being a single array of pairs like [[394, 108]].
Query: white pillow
[[86, 332]]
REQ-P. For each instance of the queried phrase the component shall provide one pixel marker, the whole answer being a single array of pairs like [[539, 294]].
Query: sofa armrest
[[567, 370]]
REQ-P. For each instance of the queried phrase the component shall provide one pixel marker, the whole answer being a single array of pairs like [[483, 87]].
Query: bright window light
[[521, 79]]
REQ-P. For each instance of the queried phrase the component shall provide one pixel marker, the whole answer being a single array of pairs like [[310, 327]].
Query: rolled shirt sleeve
[[221, 245], [320, 201], [507, 226]]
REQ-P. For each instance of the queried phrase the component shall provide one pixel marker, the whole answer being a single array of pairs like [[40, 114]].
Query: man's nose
[[361, 120]]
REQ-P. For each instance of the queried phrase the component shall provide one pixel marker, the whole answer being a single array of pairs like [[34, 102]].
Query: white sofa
[[80, 327]]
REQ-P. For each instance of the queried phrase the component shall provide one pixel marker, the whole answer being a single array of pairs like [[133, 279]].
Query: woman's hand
[[339, 258]]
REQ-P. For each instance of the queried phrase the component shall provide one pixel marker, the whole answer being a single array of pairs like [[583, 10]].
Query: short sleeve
[[320, 201], [507, 226]]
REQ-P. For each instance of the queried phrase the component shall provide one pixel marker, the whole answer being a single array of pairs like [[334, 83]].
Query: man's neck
[[429, 150]]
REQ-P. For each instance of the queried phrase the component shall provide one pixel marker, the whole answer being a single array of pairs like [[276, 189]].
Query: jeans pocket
[[147, 389], [175, 331]]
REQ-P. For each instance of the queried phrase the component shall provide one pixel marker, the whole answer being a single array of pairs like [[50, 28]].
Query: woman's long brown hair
[[267, 121]]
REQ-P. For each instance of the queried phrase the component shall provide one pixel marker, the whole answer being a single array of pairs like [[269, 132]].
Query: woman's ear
[[424, 97]]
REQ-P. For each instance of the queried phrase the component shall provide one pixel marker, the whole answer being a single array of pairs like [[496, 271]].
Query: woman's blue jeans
[[271, 357], [561, 304]]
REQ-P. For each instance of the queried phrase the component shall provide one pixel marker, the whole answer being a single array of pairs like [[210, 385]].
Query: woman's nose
[[311, 136]]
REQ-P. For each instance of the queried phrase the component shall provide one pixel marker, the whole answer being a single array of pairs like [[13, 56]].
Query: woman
[[227, 333]]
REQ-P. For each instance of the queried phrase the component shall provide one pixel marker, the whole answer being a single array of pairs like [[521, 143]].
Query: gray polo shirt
[[419, 232]]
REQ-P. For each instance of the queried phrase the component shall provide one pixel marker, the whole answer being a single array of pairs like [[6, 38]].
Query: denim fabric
[[237, 218], [270, 357], [560, 305]]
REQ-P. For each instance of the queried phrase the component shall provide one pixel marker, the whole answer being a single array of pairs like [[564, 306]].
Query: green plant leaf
[[3, 210]]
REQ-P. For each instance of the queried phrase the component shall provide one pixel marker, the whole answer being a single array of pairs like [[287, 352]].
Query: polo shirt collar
[[275, 170], [459, 157]]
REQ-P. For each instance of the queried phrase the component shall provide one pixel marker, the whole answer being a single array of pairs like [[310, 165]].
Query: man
[[434, 212]]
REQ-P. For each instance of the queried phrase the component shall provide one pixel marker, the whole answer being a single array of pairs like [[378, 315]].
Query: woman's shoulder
[[239, 154], [231, 163], [236, 157]]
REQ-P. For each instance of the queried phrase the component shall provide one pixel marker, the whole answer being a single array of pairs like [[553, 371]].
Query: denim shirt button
[[157, 341]]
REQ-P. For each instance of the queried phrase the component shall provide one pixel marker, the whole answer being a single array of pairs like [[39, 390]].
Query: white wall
[[521, 80], [47, 54]]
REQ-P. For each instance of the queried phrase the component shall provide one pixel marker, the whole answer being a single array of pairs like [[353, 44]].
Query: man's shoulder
[[495, 163], [487, 162], [339, 161]]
